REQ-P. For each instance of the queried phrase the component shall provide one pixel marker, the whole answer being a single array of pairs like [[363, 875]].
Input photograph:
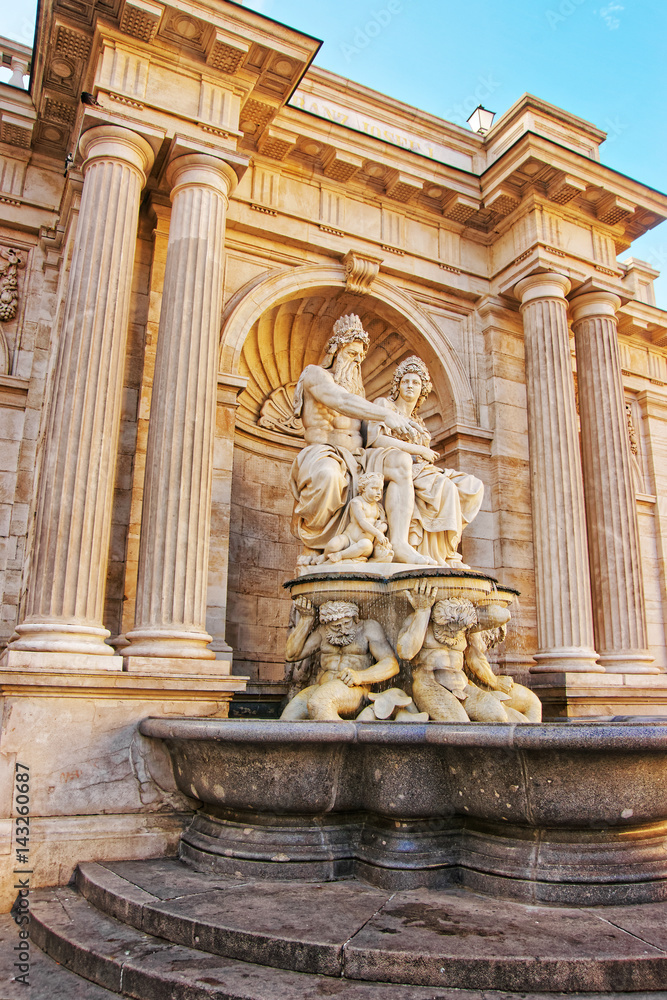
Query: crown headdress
[[412, 366], [346, 330]]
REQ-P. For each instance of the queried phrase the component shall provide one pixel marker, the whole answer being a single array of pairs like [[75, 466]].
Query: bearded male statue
[[452, 679], [354, 654], [329, 399]]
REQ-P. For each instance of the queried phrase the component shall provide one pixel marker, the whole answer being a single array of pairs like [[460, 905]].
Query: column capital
[[113, 142], [201, 170], [593, 305], [546, 285]]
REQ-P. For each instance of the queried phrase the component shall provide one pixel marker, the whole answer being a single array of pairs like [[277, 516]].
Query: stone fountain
[[401, 756], [354, 846]]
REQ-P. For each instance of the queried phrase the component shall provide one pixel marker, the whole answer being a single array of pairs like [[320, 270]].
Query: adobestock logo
[[364, 34]]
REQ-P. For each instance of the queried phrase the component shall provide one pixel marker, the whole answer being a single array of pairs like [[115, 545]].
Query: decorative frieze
[[332, 210], [218, 108], [393, 230], [265, 189], [12, 177]]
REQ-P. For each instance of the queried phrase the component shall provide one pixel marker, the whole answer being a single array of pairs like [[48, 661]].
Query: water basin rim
[[573, 734], [428, 572]]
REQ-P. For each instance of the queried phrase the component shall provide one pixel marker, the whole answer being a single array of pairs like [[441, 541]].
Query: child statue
[[367, 527]]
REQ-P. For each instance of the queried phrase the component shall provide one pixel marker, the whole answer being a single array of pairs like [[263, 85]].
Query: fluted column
[[170, 618], [611, 514], [65, 598], [564, 618]]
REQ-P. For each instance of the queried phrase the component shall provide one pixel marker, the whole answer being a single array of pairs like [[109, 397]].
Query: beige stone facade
[[174, 248]]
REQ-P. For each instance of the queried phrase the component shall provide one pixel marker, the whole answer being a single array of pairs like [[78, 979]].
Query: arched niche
[[271, 330], [326, 285]]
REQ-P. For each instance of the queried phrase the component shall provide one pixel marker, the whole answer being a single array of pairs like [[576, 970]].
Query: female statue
[[445, 500]]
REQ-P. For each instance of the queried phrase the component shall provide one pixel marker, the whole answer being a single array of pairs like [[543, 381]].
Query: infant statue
[[365, 534]]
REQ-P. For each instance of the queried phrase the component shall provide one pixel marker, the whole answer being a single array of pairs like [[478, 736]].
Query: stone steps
[[123, 961], [345, 934], [47, 980]]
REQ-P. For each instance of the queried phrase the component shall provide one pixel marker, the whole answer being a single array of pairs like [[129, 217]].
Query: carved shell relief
[[292, 335], [277, 412]]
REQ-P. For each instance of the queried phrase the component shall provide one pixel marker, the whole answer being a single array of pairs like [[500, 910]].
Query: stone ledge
[[14, 391], [120, 684], [180, 666], [586, 695]]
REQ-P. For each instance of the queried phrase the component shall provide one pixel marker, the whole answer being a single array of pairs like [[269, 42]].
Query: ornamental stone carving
[[426, 507], [10, 263], [361, 270], [277, 412], [354, 655]]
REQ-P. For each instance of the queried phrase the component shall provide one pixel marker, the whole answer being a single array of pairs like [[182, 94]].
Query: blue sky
[[603, 60]]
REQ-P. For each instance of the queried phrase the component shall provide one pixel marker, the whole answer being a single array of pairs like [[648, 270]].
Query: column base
[[629, 663], [61, 637], [567, 660], [49, 661], [169, 644], [178, 665], [572, 695]]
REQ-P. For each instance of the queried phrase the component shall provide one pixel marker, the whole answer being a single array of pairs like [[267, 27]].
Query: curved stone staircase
[[158, 930]]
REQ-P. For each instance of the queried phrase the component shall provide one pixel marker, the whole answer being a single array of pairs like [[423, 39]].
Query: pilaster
[[65, 597], [611, 516], [170, 618], [229, 387], [564, 617]]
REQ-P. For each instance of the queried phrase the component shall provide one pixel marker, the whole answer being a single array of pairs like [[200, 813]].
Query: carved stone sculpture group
[[443, 641], [349, 437], [367, 489]]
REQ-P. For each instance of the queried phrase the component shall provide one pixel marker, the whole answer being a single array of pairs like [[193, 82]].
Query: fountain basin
[[568, 813]]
